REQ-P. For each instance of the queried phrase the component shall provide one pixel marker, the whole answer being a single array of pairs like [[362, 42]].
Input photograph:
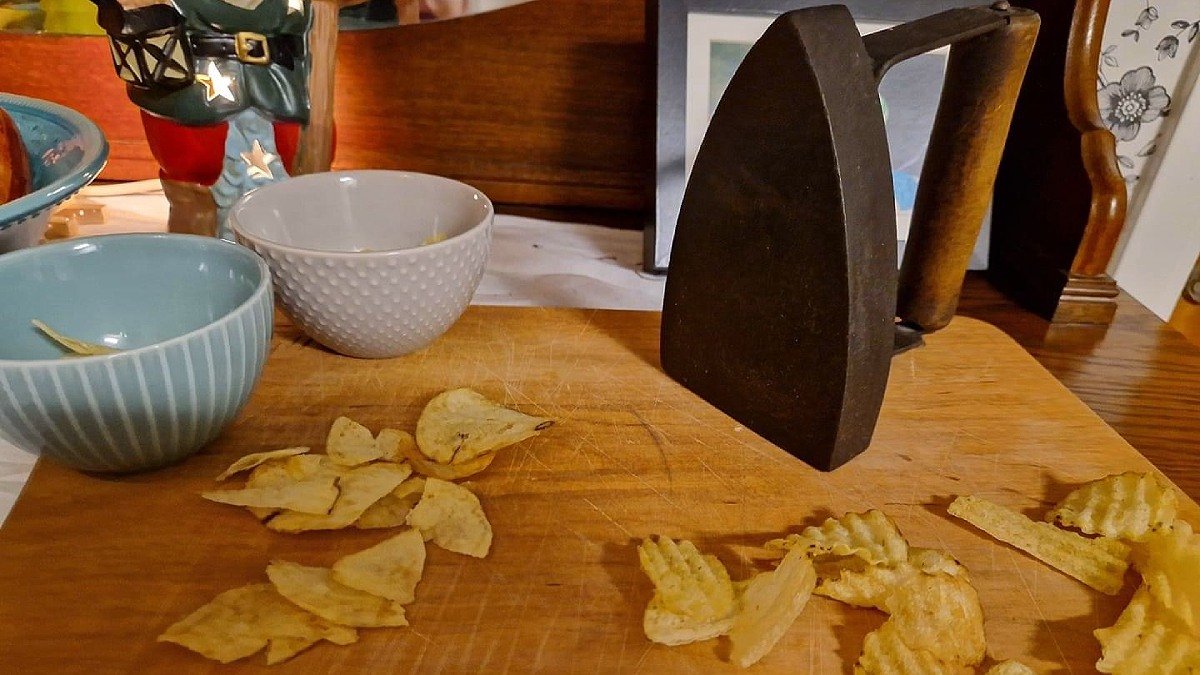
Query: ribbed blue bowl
[[193, 316]]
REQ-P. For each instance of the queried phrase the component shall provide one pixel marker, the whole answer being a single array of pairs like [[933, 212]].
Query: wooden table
[[1139, 374]]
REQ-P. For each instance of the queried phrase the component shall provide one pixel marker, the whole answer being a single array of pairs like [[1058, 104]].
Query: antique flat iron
[[783, 302]]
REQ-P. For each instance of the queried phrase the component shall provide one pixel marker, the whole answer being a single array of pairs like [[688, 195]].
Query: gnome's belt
[[252, 48]]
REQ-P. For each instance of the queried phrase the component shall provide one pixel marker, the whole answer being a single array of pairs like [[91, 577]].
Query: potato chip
[[451, 516], [253, 460], [360, 488], [933, 561], [665, 627], [241, 621], [392, 510], [1124, 506], [940, 614], [315, 495], [282, 472], [886, 653], [459, 425], [75, 347], [769, 606], [690, 584], [389, 569], [852, 581], [1169, 562], [402, 447], [1010, 668], [350, 443], [1147, 639], [1099, 563], [313, 589], [871, 536]]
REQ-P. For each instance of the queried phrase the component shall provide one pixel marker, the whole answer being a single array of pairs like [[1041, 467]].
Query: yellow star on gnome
[[259, 162], [215, 83]]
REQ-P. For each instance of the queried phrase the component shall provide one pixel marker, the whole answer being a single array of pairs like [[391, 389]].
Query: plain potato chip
[[769, 606], [1169, 562], [350, 443], [241, 621], [313, 589], [886, 653], [393, 508], [314, 495], [250, 461], [940, 614], [283, 471], [402, 447], [871, 536], [389, 569], [360, 487], [1147, 639], [75, 347], [460, 425], [395, 445], [689, 584], [1124, 506], [451, 516], [1010, 668], [1099, 563]]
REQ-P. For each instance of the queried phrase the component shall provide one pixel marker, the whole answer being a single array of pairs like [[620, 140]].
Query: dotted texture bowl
[[193, 313], [377, 301], [66, 152]]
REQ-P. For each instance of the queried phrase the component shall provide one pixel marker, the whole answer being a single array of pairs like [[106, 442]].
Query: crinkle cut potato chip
[[404, 448], [253, 460], [1147, 639], [451, 516], [886, 653], [1010, 668], [389, 569], [1126, 506], [939, 614], [315, 495], [313, 589], [1169, 562], [769, 606], [241, 621], [688, 583], [350, 443], [852, 581], [871, 536], [360, 487], [1099, 563], [669, 628], [459, 425], [392, 510]]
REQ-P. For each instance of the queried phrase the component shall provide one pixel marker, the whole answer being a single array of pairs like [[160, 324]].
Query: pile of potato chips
[[1134, 515], [364, 481]]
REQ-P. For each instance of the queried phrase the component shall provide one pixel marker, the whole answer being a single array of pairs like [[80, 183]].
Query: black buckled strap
[[280, 49]]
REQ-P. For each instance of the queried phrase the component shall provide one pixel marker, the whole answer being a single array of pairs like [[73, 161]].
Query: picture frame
[[692, 38]]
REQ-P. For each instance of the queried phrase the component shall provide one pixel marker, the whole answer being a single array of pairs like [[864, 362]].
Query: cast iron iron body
[[781, 300]]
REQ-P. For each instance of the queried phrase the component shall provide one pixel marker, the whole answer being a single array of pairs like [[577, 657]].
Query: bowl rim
[[238, 206], [95, 156], [263, 288]]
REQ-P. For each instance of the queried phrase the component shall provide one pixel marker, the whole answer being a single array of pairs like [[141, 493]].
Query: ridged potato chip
[[769, 606], [886, 653], [1099, 563], [459, 425], [241, 621], [940, 614], [451, 516], [871, 536], [857, 583], [1169, 562], [401, 447], [253, 460], [389, 569], [1147, 639], [1010, 668], [360, 487], [1124, 506], [315, 495], [393, 508], [350, 443], [313, 589], [665, 627], [688, 583]]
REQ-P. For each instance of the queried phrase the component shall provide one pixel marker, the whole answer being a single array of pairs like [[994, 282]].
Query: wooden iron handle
[[983, 78]]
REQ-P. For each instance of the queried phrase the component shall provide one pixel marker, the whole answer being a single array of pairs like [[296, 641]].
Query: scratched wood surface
[[93, 568]]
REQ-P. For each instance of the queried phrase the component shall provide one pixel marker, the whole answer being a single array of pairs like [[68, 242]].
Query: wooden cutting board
[[92, 568]]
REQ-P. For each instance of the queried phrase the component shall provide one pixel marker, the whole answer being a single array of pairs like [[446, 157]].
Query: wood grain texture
[[95, 567], [545, 103]]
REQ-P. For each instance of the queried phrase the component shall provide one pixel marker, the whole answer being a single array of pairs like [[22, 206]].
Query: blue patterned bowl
[[66, 152], [193, 314]]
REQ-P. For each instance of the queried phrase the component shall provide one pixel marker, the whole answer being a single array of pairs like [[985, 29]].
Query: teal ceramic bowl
[[193, 316], [66, 152]]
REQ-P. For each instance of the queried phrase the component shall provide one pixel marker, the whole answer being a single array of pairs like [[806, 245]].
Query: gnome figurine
[[223, 87]]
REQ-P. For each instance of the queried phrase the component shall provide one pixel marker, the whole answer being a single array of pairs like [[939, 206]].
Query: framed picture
[[700, 44]]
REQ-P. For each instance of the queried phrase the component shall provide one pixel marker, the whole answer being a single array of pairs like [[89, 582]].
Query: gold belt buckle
[[245, 43]]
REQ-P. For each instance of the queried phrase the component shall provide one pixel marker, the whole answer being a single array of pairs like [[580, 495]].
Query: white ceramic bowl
[[349, 256]]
